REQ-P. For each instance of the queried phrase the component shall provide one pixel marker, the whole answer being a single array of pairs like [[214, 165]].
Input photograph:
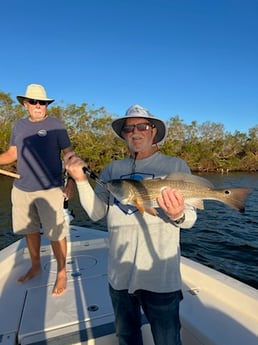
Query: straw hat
[[35, 91], [138, 111]]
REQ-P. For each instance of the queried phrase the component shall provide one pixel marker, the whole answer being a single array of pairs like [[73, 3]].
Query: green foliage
[[205, 147]]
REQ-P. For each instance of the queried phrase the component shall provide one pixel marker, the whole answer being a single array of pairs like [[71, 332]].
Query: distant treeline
[[205, 147]]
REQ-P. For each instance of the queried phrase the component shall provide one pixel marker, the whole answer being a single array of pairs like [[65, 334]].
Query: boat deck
[[216, 309]]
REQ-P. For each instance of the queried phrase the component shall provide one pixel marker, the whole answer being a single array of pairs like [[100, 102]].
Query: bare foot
[[32, 272], [60, 284]]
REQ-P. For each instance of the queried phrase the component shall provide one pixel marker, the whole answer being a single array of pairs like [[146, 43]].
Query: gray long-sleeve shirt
[[144, 249]]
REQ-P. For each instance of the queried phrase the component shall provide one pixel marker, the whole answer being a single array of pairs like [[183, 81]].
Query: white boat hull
[[216, 310]]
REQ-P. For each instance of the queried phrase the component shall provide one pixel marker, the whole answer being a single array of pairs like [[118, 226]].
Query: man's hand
[[73, 164], [172, 203]]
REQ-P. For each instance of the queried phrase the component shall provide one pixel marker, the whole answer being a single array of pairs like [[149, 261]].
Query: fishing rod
[[94, 177], [9, 173]]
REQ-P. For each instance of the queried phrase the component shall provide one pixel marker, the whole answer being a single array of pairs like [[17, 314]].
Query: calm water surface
[[222, 238]]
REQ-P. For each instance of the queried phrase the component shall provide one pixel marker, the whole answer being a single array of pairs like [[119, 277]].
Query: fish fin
[[141, 208], [152, 211], [178, 176], [138, 205], [197, 203]]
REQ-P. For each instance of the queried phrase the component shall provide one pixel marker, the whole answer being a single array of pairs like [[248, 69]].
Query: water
[[222, 238]]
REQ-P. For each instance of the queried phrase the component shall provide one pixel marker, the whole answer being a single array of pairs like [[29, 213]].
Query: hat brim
[[118, 124], [22, 98]]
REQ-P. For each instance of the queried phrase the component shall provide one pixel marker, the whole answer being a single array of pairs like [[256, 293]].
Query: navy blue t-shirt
[[39, 146]]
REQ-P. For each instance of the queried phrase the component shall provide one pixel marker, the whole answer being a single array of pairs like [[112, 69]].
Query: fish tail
[[236, 198]]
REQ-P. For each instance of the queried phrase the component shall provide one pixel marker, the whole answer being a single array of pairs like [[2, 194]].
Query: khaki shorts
[[31, 210]]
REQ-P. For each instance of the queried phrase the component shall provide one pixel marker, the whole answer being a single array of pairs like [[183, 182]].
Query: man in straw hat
[[144, 251], [37, 196]]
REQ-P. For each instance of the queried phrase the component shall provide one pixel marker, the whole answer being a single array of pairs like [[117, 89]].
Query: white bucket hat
[[138, 111], [35, 91]]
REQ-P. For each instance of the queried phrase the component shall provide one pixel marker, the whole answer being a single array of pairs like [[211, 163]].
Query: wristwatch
[[179, 220]]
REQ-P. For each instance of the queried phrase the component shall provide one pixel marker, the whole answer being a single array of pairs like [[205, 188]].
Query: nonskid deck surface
[[209, 312], [31, 307]]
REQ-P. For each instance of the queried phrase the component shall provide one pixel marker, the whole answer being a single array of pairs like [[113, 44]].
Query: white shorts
[[43, 208]]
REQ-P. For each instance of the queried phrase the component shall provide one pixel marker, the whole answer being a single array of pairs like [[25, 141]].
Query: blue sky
[[197, 59]]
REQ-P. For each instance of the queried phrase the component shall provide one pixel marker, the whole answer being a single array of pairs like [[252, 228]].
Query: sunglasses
[[36, 101], [141, 127]]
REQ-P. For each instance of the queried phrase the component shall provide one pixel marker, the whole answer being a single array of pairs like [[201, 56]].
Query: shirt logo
[[42, 133]]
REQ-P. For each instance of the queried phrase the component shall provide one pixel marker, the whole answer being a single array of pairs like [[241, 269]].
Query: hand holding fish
[[172, 203]]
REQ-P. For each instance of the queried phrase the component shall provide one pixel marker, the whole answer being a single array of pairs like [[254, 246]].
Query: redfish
[[143, 194]]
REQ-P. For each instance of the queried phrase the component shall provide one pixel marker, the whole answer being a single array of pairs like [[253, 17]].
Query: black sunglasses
[[36, 101], [141, 127]]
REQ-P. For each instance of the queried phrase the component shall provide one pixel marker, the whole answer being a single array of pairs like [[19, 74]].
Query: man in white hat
[[37, 196], [144, 250]]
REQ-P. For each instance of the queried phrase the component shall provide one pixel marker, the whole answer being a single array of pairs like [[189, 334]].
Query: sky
[[196, 59]]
